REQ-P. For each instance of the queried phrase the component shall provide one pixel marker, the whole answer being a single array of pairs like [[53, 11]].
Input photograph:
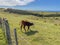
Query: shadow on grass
[[31, 32]]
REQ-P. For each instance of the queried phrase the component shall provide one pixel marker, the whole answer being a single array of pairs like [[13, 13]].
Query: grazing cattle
[[26, 23]]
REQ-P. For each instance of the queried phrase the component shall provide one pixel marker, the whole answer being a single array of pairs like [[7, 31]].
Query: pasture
[[46, 31]]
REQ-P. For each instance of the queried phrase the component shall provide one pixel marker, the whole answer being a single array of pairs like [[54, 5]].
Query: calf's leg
[[24, 28], [21, 27]]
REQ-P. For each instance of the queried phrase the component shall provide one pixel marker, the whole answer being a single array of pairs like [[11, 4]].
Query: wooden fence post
[[8, 36], [15, 33]]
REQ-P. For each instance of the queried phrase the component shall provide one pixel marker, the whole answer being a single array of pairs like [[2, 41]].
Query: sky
[[34, 5]]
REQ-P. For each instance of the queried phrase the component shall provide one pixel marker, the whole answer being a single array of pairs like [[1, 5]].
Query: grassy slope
[[2, 38], [44, 31]]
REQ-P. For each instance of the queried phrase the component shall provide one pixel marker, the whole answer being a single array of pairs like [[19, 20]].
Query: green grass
[[46, 31], [2, 38]]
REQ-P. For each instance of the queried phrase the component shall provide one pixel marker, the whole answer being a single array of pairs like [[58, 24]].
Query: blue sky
[[43, 5]]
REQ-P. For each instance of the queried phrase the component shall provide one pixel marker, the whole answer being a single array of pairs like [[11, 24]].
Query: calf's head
[[31, 24]]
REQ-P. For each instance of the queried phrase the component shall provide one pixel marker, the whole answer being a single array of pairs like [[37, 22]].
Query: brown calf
[[26, 23]]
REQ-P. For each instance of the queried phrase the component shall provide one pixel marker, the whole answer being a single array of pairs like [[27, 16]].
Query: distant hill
[[23, 12], [17, 11], [34, 13]]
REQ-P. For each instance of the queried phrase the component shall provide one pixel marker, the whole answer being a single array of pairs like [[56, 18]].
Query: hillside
[[35, 13], [46, 31]]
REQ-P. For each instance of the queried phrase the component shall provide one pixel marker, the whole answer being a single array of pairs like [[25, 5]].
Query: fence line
[[21, 38], [6, 30], [15, 33]]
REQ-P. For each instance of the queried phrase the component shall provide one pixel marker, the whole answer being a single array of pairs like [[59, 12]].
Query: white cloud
[[15, 2]]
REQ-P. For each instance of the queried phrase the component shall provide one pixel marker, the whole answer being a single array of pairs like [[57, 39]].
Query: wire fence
[[6, 31], [23, 41]]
